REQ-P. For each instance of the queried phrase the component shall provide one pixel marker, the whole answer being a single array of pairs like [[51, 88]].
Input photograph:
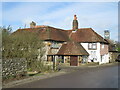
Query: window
[[54, 45], [84, 59], [91, 54], [92, 46], [94, 53]]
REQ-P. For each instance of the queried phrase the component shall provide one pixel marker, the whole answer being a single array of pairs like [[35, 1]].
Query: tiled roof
[[51, 33], [48, 33], [72, 48], [85, 35]]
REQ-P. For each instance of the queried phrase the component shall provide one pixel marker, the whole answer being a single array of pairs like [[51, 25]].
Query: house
[[75, 52], [74, 46], [113, 53]]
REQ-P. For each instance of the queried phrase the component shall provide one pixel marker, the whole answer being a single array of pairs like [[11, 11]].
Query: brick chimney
[[32, 24], [75, 23]]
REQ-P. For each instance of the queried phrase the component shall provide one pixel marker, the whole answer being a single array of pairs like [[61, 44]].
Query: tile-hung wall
[[103, 49], [104, 53]]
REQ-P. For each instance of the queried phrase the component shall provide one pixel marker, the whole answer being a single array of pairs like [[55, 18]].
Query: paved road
[[91, 77]]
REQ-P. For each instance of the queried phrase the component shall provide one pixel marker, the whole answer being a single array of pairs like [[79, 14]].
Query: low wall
[[0, 74], [113, 56], [13, 67]]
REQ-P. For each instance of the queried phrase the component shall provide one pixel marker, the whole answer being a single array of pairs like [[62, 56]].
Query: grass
[[39, 74]]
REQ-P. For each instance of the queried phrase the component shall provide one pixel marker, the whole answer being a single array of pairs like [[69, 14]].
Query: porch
[[71, 53], [67, 60]]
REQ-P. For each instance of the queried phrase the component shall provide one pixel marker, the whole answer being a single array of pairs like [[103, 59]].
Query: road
[[90, 77]]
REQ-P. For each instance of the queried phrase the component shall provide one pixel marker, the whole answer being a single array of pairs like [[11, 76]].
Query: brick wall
[[113, 56]]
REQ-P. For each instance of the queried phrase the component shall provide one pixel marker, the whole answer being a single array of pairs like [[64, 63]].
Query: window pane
[[90, 45], [94, 46]]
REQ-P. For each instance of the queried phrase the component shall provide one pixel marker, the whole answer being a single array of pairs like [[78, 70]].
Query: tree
[[6, 40], [118, 46], [23, 44]]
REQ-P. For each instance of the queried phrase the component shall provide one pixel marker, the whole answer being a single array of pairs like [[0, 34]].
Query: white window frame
[[92, 46]]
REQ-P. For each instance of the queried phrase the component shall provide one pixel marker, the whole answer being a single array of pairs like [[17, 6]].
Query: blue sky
[[100, 15]]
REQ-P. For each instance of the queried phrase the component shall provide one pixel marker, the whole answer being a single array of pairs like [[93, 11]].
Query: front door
[[73, 60]]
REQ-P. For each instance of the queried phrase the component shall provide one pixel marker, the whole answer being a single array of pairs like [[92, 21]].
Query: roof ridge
[[84, 28], [79, 29], [56, 28]]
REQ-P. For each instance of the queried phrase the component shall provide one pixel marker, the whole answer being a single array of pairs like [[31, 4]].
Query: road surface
[[90, 77]]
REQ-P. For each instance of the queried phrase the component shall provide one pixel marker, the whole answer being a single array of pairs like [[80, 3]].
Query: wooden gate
[[73, 60]]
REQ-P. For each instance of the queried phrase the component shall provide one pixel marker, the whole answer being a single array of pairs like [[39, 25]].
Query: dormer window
[[54, 45], [92, 46]]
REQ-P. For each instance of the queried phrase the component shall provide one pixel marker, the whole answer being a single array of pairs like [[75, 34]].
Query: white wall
[[97, 55], [105, 59], [91, 56]]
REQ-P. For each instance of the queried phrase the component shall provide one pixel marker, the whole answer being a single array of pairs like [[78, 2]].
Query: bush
[[23, 44], [39, 67]]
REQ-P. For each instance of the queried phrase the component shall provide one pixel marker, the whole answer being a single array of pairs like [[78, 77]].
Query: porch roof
[[72, 48]]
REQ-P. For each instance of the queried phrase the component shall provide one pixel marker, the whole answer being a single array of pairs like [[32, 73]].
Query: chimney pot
[[75, 18], [32, 24]]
